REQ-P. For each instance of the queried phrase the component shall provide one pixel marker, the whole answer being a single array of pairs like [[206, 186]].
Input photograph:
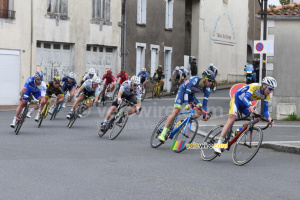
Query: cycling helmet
[[72, 75], [211, 64], [144, 69], [193, 58], [135, 80], [92, 71], [177, 68], [270, 81], [159, 66], [56, 79], [208, 74], [96, 80], [123, 72], [182, 67], [39, 75], [109, 71]]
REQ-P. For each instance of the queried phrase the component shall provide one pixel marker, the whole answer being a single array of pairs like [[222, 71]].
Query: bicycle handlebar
[[254, 115]]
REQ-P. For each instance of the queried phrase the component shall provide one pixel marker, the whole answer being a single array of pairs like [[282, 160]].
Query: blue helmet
[[208, 74], [39, 75]]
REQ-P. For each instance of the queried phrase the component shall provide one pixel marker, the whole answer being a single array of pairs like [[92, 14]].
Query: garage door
[[9, 77]]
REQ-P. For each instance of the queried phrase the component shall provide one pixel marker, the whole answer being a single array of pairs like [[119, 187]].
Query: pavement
[[292, 146]]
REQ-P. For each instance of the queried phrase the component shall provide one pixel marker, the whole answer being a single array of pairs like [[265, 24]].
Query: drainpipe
[[264, 70], [124, 34], [31, 31]]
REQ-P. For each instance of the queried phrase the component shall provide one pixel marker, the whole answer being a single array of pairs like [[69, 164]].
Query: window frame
[[141, 12], [169, 14]]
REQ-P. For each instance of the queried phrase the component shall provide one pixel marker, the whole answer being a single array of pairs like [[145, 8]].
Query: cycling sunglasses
[[56, 82], [209, 80], [271, 89], [95, 84], [38, 79], [135, 85]]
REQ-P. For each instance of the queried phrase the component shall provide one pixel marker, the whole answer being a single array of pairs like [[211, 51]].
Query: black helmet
[[208, 74]]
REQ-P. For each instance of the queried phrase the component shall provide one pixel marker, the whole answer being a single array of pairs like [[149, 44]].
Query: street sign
[[235, 88], [260, 46]]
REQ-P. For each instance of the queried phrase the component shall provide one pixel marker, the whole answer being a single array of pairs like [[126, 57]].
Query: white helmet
[[177, 68], [135, 80], [270, 81], [144, 69], [182, 67], [92, 71], [72, 75], [211, 64], [96, 79]]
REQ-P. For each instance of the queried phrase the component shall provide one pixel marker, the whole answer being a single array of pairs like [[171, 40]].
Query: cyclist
[[160, 76], [241, 101], [144, 76], [109, 79], [88, 75], [123, 77], [185, 73], [89, 88], [128, 91], [178, 75], [214, 69], [69, 84], [34, 86], [186, 94]]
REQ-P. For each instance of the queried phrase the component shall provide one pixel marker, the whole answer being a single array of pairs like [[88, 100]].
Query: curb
[[272, 145]]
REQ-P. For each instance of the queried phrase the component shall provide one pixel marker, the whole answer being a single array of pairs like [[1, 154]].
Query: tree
[[284, 2]]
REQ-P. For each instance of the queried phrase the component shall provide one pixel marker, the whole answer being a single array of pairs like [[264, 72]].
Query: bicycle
[[115, 95], [144, 91], [213, 86], [118, 120], [21, 118], [103, 95], [56, 110], [79, 109], [44, 112], [179, 130], [157, 92], [175, 88], [249, 138]]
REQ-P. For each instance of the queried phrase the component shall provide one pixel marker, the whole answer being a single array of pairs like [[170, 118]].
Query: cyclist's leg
[[162, 82], [91, 96], [110, 111], [78, 100], [132, 99], [112, 86]]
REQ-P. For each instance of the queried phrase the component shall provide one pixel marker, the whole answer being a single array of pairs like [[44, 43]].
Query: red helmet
[[123, 72], [109, 71]]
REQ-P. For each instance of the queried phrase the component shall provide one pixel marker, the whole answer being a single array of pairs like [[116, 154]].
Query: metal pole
[[124, 34], [264, 61]]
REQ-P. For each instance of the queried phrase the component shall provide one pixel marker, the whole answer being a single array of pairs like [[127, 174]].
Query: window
[[100, 49], [67, 47], [88, 48], [95, 49], [169, 14], [141, 11], [109, 49], [38, 44], [47, 46], [56, 46], [58, 7], [6, 9], [101, 10]]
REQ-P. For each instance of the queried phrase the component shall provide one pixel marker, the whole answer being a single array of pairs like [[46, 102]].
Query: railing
[[7, 14]]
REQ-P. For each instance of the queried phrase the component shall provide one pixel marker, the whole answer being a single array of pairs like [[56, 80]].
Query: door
[[139, 51], [10, 77], [154, 58], [167, 69]]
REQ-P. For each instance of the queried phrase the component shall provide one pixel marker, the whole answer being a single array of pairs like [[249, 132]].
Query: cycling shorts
[[179, 100], [121, 81], [28, 92], [91, 95], [130, 98], [237, 105]]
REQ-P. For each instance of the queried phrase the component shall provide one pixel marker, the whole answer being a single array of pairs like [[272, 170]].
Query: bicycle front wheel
[[211, 138], [247, 146], [154, 92], [43, 114], [155, 142], [144, 92], [118, 125], [22, 117], [187, 133]]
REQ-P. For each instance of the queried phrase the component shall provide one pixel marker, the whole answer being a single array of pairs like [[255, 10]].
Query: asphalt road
[[55, 162]]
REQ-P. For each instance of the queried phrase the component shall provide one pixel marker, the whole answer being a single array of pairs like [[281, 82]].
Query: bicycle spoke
[[155, 142], [118, 125]]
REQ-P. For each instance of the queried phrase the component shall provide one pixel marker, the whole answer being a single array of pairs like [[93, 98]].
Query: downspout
[[31, 31], [124, 34]]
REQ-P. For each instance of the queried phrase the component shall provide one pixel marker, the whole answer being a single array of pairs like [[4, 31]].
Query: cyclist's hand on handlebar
[[187, 107], [271, 121], [119, 101], [251, 109], [77, 95]]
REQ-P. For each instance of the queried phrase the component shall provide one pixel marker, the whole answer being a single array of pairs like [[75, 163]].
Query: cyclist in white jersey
[[128, 90]]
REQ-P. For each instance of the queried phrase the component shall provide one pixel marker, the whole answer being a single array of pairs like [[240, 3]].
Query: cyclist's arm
[[138, 75], [80, 89], [246, 98], [205, 100]]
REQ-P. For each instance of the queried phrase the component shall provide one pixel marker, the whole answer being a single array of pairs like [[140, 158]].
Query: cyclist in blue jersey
[[186, 94], [144, 76], [34, 86], [69, 84]]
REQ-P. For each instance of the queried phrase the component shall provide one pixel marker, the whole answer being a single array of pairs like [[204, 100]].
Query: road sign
[[260, 46], [235, 88]]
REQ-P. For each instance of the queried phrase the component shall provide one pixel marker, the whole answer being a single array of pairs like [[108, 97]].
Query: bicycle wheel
[[118, 125], [158, 130], [160, 92], [53, 114], [144, 92], [154, 92], [43, 114], [100, 133], [187, 133], [20, 122], [247, 146], [211, 138], [73, 119]]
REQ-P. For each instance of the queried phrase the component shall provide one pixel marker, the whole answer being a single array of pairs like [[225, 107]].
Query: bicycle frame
[[185, 122]]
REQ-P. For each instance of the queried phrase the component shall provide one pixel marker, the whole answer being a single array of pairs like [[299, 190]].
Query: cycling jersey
[[124, 77], [160, 75], [243, 97], [86, 76], [36, 90], [213, 69], [89, 90], [145, 75], [187, 90], [185, 73], [125, 88], [109, 79], [52, 90], [178, 73], [68, 85]]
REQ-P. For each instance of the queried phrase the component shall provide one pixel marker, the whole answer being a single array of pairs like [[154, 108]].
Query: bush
[[292, 117]]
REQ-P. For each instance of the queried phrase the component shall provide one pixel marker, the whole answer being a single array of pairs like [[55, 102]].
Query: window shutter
[[139, 11], [167, 14], [171, 2], [144, 11], [64, 7], [107, 11]]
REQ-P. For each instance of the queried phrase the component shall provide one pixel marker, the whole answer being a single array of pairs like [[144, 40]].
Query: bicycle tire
[[22, 117], [242, 143], [72, 121], [121, 125], [43, 114], [57, 110], [211, 138], [100, 133], [144, 92], [158, 129], [192, 136], [53, 114], [115, 95], [154, 92]]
